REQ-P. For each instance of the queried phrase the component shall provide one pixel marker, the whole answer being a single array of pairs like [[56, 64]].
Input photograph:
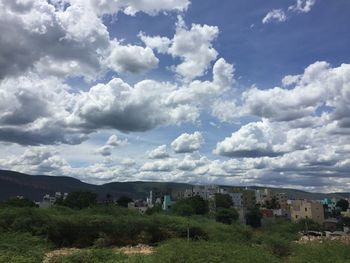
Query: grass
[[22, 248], [27, 234]]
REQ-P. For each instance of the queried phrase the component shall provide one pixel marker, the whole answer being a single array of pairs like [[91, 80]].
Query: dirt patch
[[307, 239], [58, 253], [128, 250], [139, 249]]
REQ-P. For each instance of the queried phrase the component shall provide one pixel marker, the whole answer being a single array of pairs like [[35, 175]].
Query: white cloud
[[193, 46], [131, 7], [187, 143], [112, 142], [302, 6], [320, 86], [160, 152], [276, 15], [131, 59]]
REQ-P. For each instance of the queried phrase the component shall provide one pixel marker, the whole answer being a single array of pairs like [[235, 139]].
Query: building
[[49, 200], [263, 195], [329, 204], [284, 213], [303, 209], [282, 200], [237, 199], [206, 192], [167, 203]]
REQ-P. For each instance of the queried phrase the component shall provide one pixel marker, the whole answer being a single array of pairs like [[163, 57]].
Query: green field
[[28, 234]]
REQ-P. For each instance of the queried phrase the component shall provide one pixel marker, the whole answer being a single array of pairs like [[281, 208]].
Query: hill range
[[35, 187]]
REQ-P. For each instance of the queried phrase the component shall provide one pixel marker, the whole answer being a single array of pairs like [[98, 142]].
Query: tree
[[19, 202], [343, 204], [79, 200], [273, 204], [253, 218], [192, 205], [226, 216], [183, 209], [154, 210], [223, 201], [124, 201]]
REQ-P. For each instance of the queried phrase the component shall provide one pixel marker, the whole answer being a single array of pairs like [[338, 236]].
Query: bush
[[79, 200], [22, 248], [198, 206], [226, 216]]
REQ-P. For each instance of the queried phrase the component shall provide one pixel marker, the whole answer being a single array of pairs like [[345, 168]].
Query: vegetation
[[223, 201], [79, 200], [191, 206], [27, 234], [226, 216], [18, 202], [343, 204]]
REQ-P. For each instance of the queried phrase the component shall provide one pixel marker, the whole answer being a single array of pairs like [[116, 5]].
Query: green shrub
[[22, 248]]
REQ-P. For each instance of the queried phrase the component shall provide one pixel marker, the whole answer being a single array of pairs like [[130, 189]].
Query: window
[[305, 209]]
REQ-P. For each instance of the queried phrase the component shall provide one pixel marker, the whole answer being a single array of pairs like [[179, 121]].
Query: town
[[330, 213]]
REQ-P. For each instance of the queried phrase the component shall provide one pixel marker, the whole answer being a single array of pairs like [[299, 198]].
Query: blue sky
[[231, 92]]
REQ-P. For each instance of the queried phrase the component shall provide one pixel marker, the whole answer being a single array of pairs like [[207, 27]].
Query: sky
[[198, 91]]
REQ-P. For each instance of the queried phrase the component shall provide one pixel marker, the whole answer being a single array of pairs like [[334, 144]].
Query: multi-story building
[[263, 195], [282, 200], [303, 209], [237, 199]]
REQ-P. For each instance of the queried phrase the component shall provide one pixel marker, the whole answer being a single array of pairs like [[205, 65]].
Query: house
[[266, 213], [303, 209], [284, 213], [167, 203]]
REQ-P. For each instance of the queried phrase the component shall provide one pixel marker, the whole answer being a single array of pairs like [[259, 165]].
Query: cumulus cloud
[[131, 59], [276, 15], [131, 7], [160, 152], [187, 143], [320, 88], [193, 46], [68, 38], [112, 142]]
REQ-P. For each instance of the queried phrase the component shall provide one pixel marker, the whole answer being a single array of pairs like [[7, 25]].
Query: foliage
[[18, 202], [79, 200], [226, 216], [343, 204], [154, 210], [345, 221], [22, 248], [91, 256], [202, 251], [198, 204], [124, 201], [253, 218], [307, 225], [272, 204], [326, 252], [223, 201]]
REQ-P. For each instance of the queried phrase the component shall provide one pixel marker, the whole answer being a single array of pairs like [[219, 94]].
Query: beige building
[[302, 209], [282, 200]]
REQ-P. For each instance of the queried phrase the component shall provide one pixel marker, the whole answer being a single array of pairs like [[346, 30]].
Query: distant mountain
[[36, 186]]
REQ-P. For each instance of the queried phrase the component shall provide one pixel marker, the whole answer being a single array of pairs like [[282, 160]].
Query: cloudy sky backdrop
[[203, 91]]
